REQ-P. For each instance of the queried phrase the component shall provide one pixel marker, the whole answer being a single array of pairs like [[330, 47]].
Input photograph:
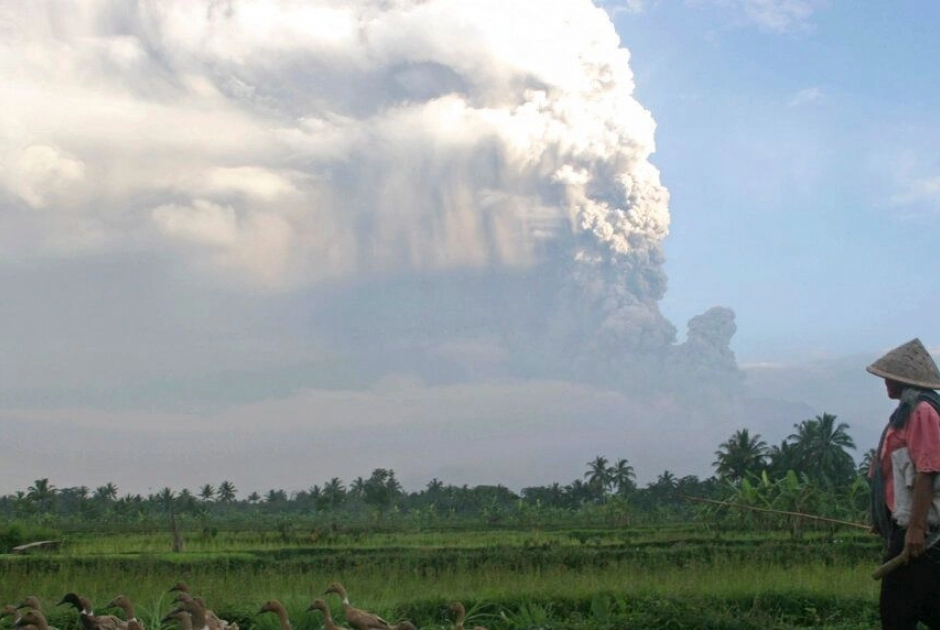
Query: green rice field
[[675, 577]]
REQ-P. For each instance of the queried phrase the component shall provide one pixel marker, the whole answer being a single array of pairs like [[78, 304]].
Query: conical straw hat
[[909, 363]]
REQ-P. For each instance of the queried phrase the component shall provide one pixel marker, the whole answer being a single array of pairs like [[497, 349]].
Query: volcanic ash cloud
[[278, 145]]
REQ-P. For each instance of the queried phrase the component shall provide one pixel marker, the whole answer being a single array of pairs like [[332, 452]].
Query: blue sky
[[431, 236], [803, 169]]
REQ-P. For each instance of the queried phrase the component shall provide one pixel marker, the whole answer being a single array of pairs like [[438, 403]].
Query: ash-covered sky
[[277, 242]]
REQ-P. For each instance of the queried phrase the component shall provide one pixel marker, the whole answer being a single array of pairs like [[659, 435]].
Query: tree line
[[816, 455]]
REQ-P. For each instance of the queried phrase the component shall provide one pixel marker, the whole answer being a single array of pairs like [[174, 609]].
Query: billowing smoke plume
[[281, 144]]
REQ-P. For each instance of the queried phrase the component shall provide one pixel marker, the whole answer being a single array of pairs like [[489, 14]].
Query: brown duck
[[212, 620], [328, 623], [91, 621], [124, 603], [32, 619], [276, 607], [356, 617], [10, 611], [181, 617], [30, 601], [461, 614]]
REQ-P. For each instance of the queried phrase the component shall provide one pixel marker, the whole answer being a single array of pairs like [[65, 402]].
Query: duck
[[272, 605], [356, 617], [30, 601], [181, 617], [32, 619], [461, 613], [328, 623], [124, 603], [11, 611], [194, 610], [212, 620], [91, 621]]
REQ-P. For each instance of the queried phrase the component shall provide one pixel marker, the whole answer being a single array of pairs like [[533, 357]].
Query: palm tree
[[578, 493], [42, 494], [382, 488], [664, 488], [106, 493], [739, 455], [315, 494], [186, 500], [821, 445], [226, 492], [165, 499], [598, 476], [667, 480], [207, 493], [275, 496], [357, 489], [782, 459], [867, 459], [334, 492], [623, 477]]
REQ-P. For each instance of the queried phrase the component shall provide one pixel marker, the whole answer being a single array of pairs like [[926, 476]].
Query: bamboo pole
[[886, 568], [812, 517]]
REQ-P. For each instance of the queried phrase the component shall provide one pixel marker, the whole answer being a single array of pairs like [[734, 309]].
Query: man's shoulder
[[925, 411]]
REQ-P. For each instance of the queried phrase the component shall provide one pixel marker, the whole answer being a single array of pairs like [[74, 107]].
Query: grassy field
[[638, 578]]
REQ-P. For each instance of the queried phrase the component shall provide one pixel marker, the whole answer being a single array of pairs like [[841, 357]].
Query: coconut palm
[[578, 493], [42, 494], [740, 455], [598, 476], [623, 477], [357, 489], [164, 499], [106, 493], [382, 488], [867, 459], [782, 459], [822, 444], [207, 493], [226, 492], [334, 492]]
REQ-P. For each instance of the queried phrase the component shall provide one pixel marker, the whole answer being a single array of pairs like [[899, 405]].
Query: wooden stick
[[902, 558], [783, 512], [889, 566]]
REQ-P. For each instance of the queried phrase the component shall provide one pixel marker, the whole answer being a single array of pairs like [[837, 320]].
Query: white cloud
[[382, 138], [806, 96], [634, 7], [779, 16], [40, 174], [913, 179], [203, 222], [256, 182], [918, 191], [256, 243]]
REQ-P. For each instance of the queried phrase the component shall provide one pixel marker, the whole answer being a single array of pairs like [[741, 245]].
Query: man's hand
[[914, 541]]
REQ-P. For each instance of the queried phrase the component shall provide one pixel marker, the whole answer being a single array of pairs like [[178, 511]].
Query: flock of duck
[[191, 613]]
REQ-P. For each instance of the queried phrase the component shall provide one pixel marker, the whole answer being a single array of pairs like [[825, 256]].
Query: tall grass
[[511, 579]]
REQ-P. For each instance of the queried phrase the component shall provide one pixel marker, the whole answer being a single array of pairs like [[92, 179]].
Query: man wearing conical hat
[[905, 489]]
